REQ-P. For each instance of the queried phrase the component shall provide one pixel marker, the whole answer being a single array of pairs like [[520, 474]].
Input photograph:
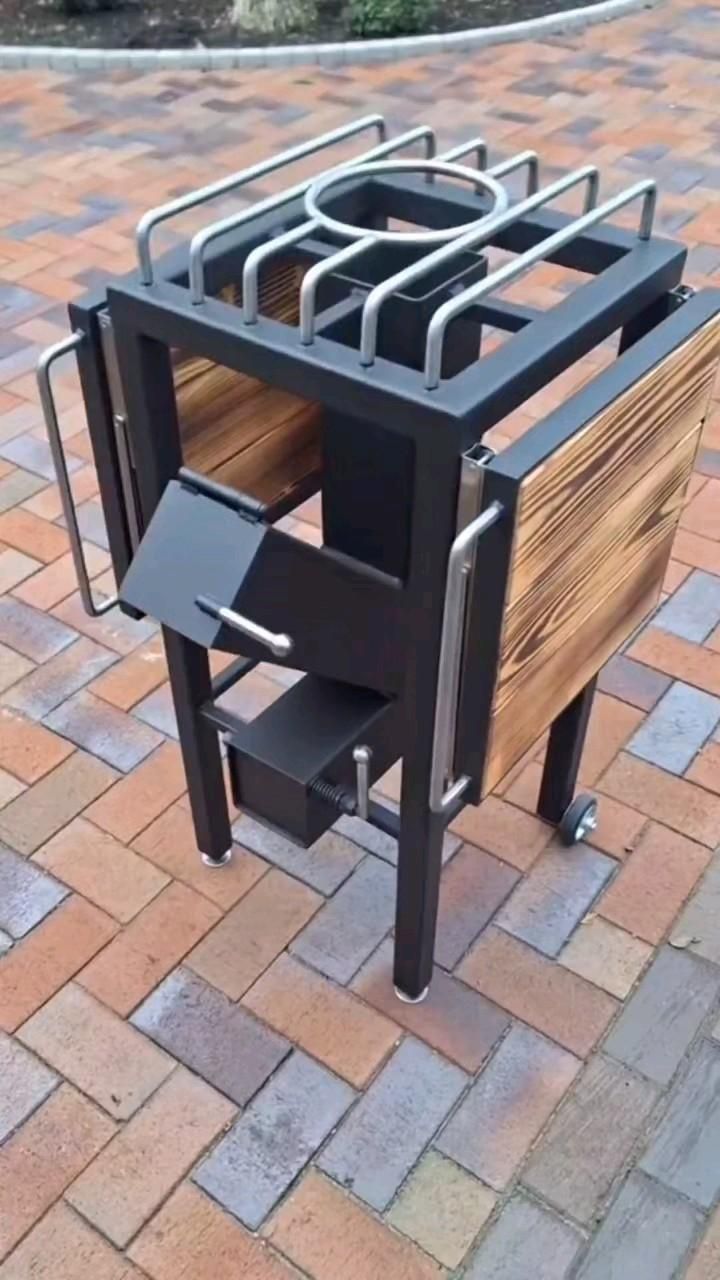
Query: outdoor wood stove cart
[[332, 338]]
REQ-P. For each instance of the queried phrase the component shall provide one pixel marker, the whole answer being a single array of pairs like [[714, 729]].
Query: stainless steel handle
[[442, 795], [276, 641], [47, 400]]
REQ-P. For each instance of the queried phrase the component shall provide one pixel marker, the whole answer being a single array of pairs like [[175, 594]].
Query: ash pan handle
[[47, 400], [277, 642]]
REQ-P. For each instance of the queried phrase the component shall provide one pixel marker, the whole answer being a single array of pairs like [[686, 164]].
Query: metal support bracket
[[52, 426]]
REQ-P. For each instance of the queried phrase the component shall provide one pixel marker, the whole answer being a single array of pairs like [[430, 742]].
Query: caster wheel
[[578, 820]]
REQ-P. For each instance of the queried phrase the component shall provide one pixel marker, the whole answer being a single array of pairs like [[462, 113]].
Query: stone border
[[328, 55]]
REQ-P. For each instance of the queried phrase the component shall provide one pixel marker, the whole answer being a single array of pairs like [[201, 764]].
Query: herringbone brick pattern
[[207, 1074]]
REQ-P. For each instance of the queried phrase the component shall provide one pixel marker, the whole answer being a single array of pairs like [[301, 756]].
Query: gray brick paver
[[693, 611], [339, 939], [389, 1128], [547, 905], [590, 1138], [27, 894], [645, 1236], [211, 1035], [507, 1106], [677, 728], [527, 1242], [658, 1023], [25, 1082], [685, 1151], [254, 1164]]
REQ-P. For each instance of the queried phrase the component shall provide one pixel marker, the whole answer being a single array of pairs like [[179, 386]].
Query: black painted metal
[[364, 611], [563, 755], [189, 671], [307, 735], [96, 394], [230, 676]]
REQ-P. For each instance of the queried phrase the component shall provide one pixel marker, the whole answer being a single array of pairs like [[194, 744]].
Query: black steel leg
[[189, 671], [562, 758], [418, 886], [421, 830]]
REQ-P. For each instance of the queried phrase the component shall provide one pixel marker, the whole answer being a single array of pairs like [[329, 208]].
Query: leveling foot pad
[[406, 999], [293, 767], [222, 861]]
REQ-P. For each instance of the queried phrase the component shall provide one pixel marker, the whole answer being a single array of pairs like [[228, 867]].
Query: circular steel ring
[[481, 180]]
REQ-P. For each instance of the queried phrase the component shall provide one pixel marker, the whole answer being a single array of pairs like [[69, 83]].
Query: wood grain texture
[[594, 527], [240, 431]]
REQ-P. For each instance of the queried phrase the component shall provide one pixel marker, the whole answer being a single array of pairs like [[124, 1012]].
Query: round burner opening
[[483, 182]]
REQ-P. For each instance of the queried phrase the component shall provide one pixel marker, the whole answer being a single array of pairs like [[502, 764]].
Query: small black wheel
[[578, 820]]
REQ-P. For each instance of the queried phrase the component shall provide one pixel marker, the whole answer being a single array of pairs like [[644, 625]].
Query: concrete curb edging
[[350, 52]]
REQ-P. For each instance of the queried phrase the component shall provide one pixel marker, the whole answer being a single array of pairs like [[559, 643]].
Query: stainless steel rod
[[470, 240], [362, 756], [478, 145], [519, 161], [442, 794], [387, 168], [203, 238], [277, 642], [232, 181], [258, 257], [47, 401], [512, 270], [317, 273], [523, 160]]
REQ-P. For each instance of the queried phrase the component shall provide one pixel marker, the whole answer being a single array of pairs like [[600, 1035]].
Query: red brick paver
[[159, 1002]]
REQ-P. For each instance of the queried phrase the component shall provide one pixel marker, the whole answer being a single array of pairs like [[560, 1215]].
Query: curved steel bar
[[448, 671], [312, 279], [47, 400], [487, 228], [478, 145], [257, 258], [523, 160], [444, 168], [200, 241], [511, 270], [191, 199], [311, 282]]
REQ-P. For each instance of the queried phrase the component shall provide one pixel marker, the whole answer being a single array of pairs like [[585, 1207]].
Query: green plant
[[370, 18]]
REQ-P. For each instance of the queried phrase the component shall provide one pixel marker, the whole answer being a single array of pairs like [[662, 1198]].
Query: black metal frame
[[631, 289]]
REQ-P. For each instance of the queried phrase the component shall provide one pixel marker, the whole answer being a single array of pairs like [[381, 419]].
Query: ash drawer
[[284, 764]]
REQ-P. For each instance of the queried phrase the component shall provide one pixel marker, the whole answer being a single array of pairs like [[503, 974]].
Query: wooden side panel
[[594, 528], [238, 430]]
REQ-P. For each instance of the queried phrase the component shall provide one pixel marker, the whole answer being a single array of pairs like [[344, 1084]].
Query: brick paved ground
[[205, 1074]]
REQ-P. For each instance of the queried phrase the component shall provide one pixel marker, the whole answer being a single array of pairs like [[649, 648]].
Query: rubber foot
[[217, 862], [406, 999]]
